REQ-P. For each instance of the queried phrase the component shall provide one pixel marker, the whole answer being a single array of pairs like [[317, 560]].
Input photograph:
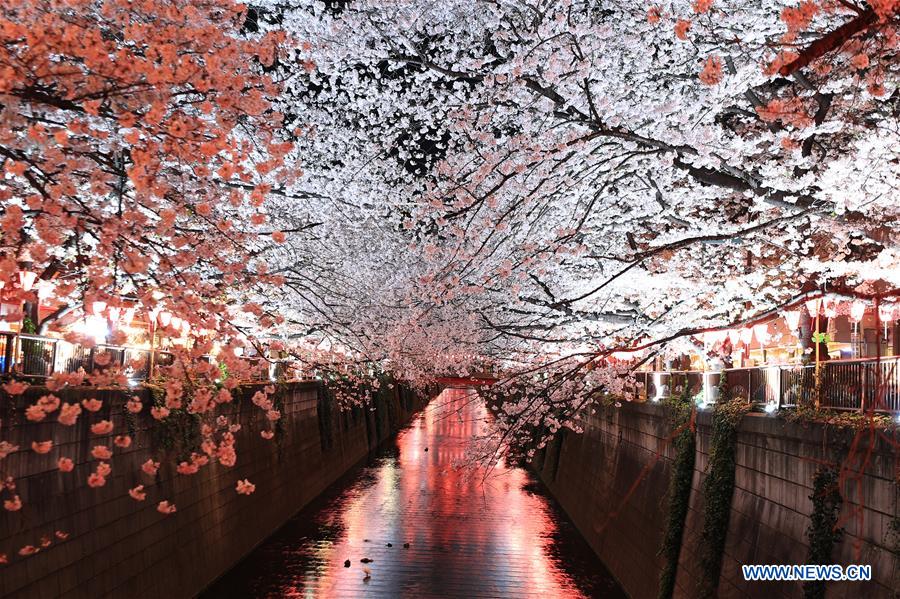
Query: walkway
[[467, 538]]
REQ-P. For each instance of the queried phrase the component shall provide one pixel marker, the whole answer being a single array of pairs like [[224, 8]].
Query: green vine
[[822, 532], [179, 432], [806, 413], [679, 491], [892, 542], [280, 424], [724, 389], [718, 488], [28, 326]]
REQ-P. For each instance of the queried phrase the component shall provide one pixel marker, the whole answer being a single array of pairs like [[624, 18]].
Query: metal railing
[[34, 356], [846, 384]]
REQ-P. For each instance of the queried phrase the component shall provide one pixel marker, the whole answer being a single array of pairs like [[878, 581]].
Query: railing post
[[53, 358], [9, 351]]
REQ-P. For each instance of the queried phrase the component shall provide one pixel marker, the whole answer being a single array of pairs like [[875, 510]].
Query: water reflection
[[468, 537]]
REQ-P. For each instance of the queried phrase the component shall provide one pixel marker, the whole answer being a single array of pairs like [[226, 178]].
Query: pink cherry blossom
[[96, 480], [101, 452], [134, 405], [92, 405], [159, 412], [7, 448], [15, 387], [245, 487], [123, 441], [49, 403], [35, 413], [150, 467], [69, 413], [137, 493], [42, 446], [104, 427], [187, 468], [165, 507], [65, 464], [13, 505]]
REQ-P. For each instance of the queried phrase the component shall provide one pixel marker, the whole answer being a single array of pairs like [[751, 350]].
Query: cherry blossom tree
[[138, 146], [573, 179]]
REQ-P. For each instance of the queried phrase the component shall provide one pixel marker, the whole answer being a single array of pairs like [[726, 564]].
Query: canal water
[[468, 535]]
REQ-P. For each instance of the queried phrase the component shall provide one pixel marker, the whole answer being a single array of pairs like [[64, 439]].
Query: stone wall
[[613, 480], [118, 547]]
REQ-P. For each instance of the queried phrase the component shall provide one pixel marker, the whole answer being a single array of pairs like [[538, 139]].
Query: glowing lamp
[[176, 322], [746, 335], [27, 279], [185, 327], [97, 308], [857, 309], [128, 315], [44, 289], [165, 318], [114, 313], [734, 335], [813, 306], [762, 332], [792, 318], [830, 307], [886, 313]]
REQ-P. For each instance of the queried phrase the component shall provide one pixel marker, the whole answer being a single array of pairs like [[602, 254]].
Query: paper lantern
[[114, 313], [886, 313], [762, 332], [830, 307], [27, 279], [734, 335], [792, 318], [44, 289], [128, 316], [857, 309], [813, 306], [97, 308], [746, 335], [165, 318]]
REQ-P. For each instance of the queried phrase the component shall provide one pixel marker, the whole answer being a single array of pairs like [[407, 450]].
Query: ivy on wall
[[679, 491], [179, 432], [892, 541], [718, 488], [823, 532]]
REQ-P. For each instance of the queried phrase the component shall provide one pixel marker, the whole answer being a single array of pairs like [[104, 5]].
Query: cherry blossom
[[68, 414], [12, 505], [138, 493], [101, 452], [164, 507], [245, 487], [92, 405], [42, 446], [104, 427]]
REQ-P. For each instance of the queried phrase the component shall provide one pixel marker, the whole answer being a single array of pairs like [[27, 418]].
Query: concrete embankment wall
[[613, 480], [117, 547]]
